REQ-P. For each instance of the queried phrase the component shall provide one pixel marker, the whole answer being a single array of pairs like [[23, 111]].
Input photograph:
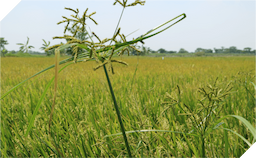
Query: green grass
[[84, 112]]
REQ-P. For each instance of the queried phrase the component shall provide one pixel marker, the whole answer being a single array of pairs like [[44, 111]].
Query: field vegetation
[[84, 119], [157, 107]]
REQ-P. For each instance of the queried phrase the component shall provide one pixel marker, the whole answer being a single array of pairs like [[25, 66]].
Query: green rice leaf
[[31, 122], [246, 124], [191, 146], [153, 130], [246, 141]]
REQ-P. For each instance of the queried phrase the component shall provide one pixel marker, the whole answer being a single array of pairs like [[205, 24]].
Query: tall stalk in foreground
[[118, 113]]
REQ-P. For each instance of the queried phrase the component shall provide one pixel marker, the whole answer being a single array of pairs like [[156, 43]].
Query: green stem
[[118, 113], [203, 148]]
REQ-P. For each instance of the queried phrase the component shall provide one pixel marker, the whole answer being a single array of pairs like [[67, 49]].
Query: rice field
[[84, 116]]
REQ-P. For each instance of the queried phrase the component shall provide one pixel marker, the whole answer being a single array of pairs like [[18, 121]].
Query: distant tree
[[208, 51], [3, 52], [3, 42], [199, 50], [153, 51], [172, 51], [145, 50], [221, 50], [149, 50], [217, 50], [161, 50], [201, 53], [247, 50], [12, 52], [25, 47], [203, 50], [182, 50], [233, 49]]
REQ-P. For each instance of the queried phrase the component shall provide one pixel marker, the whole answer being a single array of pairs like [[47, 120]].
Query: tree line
[[231, 49], [26, 48]]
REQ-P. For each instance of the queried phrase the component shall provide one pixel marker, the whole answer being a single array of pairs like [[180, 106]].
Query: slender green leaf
[[31, 122], [226, 142], [246, 124], [246, 141], [153, 130], [191, 146], [254, 85]]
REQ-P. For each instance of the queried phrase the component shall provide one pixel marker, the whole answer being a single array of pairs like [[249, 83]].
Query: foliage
[[182, 50], [25, 47], [204, 112], [161, 50], [3, 42], [199, 53], [234, 50], [203, 50]]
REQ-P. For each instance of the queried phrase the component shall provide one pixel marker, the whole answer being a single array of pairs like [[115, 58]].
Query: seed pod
[[90, 53], [119, 3], [75, 32], [122, 51], [54, 46], [93, 20], [74, 24], [66, 27], [119, 61], [92, 14], [121, 37], [100, 65], [134, 48], [112, 52], [71, 9], [59, 37], [62, 21], [116, 33], [96, 36]]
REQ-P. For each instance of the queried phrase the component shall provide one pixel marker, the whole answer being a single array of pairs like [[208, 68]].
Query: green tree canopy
[[203, 50], [161, 50], [172, 51], [247, 49], [182, 50], [3, 42]]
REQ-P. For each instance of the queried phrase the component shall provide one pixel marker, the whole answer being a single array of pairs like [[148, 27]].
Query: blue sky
[[209, 24]]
